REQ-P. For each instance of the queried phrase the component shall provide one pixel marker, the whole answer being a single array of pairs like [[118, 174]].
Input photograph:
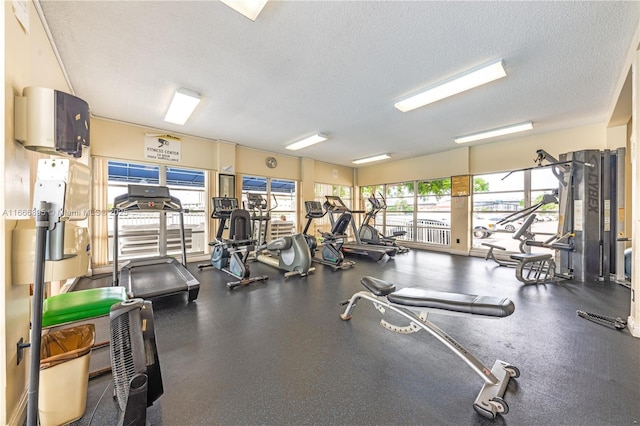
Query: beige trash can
[[64, 374]]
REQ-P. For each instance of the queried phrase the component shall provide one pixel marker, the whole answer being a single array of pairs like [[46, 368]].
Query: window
[[400, 203], [320, 191], [284, 213], [497, 196], [140, 233], [281, 199], [433, 224], [420, 209], [377, 218], [283, 194], [188, 186], [544, 182]]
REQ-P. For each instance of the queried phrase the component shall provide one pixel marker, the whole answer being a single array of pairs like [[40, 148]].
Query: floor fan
[[135, 365]]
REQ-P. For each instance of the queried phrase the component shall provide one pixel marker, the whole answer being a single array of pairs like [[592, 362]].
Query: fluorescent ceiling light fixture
[[249, 8], [461, 83], [370, 159], [307, 141], [183, 103], [495, 132]]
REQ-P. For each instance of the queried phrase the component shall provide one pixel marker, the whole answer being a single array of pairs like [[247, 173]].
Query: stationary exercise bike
[[230, 254], [370, 235], [290, 254], [331, 241]]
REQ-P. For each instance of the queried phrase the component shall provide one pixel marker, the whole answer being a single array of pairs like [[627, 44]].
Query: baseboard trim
[[633, 327], [459, 252], [19, 415]]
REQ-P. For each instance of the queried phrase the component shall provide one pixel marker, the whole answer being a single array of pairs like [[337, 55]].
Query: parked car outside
[[484, 227]]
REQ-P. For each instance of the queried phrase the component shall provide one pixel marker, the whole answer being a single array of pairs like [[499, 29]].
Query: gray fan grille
[[122, 362]]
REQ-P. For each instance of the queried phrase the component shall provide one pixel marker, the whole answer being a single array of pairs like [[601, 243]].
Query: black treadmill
[[334, 205], [159, 275]]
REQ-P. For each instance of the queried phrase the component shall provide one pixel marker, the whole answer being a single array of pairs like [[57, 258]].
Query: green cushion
[[80, 305]]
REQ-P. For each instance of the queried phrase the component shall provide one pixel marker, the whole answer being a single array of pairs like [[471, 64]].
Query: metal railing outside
[[426, 231], [139, 234]]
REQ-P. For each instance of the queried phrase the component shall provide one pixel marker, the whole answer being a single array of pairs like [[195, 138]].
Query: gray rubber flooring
[[277, 353]]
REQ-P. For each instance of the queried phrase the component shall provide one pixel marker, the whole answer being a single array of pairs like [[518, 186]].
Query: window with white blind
[[139, 234]]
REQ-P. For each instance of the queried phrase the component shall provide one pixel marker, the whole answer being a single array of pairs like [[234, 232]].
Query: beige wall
[[253, 162], [29, 61], [333, 175], [441, 165], [112, 139], [519, 153], [511, 154]]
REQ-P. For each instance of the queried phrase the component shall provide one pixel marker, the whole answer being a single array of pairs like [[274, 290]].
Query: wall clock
[[271, 162]]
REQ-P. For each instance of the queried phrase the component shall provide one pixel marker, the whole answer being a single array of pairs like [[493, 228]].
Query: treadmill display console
[[147, 197], [144, 191], [335, 203]]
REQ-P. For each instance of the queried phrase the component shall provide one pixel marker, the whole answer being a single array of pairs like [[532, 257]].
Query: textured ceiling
[[338, 67]]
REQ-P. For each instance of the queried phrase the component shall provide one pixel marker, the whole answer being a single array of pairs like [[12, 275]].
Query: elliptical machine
[[331, 241], [230, 255], [370, 235], [290, 254]]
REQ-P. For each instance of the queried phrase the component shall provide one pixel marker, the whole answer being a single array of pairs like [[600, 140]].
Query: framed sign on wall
[[460, 186]]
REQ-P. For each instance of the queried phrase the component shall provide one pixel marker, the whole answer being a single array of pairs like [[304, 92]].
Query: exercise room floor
[[277, 353]]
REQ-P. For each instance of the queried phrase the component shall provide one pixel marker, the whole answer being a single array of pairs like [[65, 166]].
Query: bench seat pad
[[531, 257], [456, 302]]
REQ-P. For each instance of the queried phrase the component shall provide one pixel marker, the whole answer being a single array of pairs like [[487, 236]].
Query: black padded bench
[[404, 302], [455, 302]]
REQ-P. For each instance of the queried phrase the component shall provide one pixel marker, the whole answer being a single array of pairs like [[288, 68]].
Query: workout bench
[[383, 295]]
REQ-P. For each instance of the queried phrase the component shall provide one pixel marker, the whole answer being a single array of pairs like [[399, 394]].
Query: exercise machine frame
[[331, 241], [290, 254], [230, 255], [369, 234], [334, 205], [383, 295], [154, 199]]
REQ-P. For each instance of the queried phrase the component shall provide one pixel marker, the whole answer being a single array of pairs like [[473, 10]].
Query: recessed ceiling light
[[307, 141], [249, 8], [515, 128], [183, 103], [453, 86], [370, 159]]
